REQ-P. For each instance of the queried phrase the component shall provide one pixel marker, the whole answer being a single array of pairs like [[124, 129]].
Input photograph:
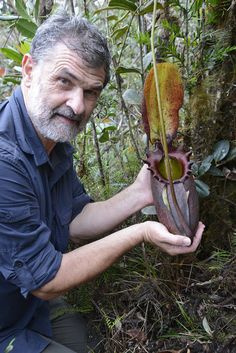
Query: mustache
[[68, 113]]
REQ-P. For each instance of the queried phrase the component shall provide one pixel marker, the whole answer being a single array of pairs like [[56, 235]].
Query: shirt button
[[18, 264]]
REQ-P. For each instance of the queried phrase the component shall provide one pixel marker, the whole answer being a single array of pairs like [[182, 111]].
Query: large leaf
[[129, 5], [26, 28], [221, 150], [21, 9], [12, 55], [171, 96], [131, 96]]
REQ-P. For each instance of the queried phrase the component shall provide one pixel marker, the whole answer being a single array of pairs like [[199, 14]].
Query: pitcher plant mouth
[[179, 162]]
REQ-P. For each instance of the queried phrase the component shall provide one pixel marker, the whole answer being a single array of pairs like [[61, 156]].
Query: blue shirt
[[39, 198]]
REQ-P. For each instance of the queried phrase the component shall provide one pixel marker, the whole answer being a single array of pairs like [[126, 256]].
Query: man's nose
[[76, 101]]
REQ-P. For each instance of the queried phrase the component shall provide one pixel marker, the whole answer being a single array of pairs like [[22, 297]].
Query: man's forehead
[[65, 60]]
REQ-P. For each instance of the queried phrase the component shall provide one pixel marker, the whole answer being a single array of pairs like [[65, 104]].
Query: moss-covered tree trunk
[[213, 118]]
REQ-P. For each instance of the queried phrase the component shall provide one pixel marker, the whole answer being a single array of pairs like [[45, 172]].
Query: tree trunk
[[213, 118]]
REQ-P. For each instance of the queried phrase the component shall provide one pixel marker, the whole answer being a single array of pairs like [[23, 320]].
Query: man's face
[[62, 93]]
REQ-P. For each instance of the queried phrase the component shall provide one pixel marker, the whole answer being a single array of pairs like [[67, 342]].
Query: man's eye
[[64, 81]]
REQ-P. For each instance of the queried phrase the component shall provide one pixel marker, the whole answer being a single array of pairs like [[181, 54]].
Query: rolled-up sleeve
[[27, 257]]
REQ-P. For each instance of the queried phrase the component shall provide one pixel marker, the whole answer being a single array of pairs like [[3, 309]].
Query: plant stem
[[163, 129], [98, 153], [163, 132]]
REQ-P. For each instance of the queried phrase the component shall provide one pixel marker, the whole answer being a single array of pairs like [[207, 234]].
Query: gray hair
[[78, 35]]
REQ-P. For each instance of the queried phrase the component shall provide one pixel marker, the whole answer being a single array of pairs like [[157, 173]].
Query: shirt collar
[[28, 139]]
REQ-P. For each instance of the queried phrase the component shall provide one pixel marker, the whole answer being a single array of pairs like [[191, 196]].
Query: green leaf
[[131, 96], [221, 150], [119, 32], [231, 155], [36, 10], [123, 5], [21, 9], [26, 28], [216, 171], [125, 70], [24, 48], [205, 165], [148, 8], [195, 169], [104, 136], [12, 55], [112, 18], [202, 188]]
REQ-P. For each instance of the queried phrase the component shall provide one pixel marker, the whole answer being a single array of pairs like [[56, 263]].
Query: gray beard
[[52, 129]]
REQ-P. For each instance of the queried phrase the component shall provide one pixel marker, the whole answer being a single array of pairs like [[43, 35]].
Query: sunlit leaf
[[21, 9], [171, 95], [206, 326], [12, 54], [221, 150], [23, 48], [26, 28]]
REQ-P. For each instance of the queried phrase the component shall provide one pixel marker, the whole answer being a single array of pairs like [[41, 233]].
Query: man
[[42, 201]]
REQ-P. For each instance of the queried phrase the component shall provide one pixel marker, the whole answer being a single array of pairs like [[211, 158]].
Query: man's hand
[[143, 185], [158, 235]]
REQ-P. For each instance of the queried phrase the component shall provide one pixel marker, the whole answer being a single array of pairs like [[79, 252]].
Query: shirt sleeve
[[27, 257], [80, 197]]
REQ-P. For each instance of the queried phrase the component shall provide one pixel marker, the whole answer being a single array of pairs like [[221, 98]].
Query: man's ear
[[27, 68]]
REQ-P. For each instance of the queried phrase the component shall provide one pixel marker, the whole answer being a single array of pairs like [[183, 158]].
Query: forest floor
[[150, 302]]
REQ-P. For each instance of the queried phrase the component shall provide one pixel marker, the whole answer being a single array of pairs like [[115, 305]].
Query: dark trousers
[[70, 333]]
